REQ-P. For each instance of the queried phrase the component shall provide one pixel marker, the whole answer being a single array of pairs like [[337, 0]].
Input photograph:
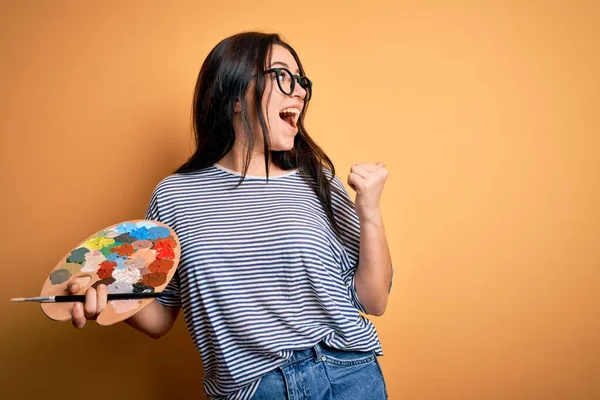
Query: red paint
[[164, 249], [106, 269]]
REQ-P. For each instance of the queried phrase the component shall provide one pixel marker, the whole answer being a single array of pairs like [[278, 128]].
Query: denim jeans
[[323, 373]]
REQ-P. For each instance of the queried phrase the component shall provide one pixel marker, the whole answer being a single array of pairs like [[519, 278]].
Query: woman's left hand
[[367, 180]]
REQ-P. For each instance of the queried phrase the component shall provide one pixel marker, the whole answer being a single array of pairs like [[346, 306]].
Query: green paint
[[78, 255], [106, 249]]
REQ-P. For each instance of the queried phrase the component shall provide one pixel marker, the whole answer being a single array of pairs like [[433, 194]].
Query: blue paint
[[146, 224], [158, 233], [140, 233], [112, 257], [120, 262], [125, 227]]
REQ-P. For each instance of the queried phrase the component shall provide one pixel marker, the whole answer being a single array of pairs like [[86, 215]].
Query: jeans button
[[323, 358]]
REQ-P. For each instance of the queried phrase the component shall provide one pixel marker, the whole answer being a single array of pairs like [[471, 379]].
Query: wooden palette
[[135, 256]]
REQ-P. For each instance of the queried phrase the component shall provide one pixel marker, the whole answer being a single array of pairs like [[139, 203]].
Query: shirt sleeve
[[153, 213]]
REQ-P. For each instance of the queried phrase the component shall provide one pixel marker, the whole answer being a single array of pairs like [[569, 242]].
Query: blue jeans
[[323, 373]]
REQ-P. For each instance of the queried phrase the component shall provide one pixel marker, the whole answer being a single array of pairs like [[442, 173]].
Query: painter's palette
[[131, 257]]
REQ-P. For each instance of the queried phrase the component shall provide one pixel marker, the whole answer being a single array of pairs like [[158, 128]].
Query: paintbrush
[[81, 297]]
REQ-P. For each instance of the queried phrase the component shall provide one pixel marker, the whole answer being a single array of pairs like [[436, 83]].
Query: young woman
[[277, 262]]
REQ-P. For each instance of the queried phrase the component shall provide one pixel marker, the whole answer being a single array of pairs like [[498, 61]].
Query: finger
[[359, 170], [367, 166], [89, 308], [73, 287], [78, 319], [371, 167], [355, 181], [376, 170], [101, 298]]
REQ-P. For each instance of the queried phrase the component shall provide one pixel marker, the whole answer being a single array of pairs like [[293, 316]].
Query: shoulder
[[176, 183], [336, 183]]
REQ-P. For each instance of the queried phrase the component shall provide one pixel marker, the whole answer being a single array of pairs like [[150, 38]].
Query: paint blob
[[78, 255], [99, 242], [123, 250], [154, 279], [124, 238], [161, 266], [127, 275], [148, 255], [73, 268], [105, 281], [141, 288], [142, 244], [59, 276], [93, 259]]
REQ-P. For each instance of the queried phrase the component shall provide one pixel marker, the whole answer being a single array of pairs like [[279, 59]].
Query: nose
[[299, 91]]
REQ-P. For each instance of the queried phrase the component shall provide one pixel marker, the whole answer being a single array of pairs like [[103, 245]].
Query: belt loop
[[317, 350]]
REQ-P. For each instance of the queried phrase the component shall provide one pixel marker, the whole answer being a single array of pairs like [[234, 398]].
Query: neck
[[234, 160]]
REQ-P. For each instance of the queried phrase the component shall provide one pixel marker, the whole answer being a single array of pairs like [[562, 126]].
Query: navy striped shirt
[[261, 273]]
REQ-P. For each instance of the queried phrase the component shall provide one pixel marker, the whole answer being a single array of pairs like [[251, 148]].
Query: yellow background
[[486, 114]]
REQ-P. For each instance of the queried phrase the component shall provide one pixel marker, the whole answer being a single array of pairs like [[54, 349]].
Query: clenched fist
[[367, 180]]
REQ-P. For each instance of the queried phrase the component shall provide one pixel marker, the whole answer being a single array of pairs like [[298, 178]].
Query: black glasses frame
[[303, 81]]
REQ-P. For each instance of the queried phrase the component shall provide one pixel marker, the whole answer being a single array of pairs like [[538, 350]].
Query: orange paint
[[154, 279], [148, 255], [123, 250], [162, 266]]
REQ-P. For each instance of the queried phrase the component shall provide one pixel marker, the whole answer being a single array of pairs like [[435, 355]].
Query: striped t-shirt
[[261, 273]]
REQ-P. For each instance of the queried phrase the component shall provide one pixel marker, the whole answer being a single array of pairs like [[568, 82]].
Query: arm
[[373, 276], [154, 320]]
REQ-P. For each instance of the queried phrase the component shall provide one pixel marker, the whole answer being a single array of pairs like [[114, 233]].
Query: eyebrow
[[285, 65]]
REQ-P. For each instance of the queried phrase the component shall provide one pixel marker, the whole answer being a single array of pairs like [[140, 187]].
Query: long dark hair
[[224, 79]]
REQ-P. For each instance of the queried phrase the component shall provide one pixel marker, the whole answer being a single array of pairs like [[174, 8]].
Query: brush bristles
[[18, 299]]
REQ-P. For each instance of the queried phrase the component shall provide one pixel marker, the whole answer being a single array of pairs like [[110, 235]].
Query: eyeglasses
[[287, 82]]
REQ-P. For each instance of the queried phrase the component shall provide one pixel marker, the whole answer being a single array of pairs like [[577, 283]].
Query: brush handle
[[114, 296]]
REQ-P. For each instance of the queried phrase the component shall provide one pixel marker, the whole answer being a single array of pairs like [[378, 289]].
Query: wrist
[[372, 217]]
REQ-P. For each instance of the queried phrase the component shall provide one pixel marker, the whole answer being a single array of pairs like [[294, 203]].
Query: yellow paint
[[98, 242], [73, 268]]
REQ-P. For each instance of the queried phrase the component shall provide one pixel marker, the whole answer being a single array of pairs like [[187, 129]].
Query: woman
[[276, 261]]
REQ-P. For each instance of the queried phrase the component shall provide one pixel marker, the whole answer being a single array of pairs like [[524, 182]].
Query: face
[[280, 110]]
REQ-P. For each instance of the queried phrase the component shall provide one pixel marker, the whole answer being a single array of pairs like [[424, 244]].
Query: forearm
[[155, 320], [373, 275]]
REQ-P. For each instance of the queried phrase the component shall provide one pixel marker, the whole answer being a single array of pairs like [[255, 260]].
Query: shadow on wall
[[64, 361]]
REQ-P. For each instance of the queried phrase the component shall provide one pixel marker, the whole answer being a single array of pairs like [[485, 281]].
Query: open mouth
[[290, 116]]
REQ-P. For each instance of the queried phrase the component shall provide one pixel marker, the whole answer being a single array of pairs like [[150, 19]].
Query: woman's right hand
[[95, 301]]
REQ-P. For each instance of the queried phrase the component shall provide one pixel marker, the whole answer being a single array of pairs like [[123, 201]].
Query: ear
[[238, 107]]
